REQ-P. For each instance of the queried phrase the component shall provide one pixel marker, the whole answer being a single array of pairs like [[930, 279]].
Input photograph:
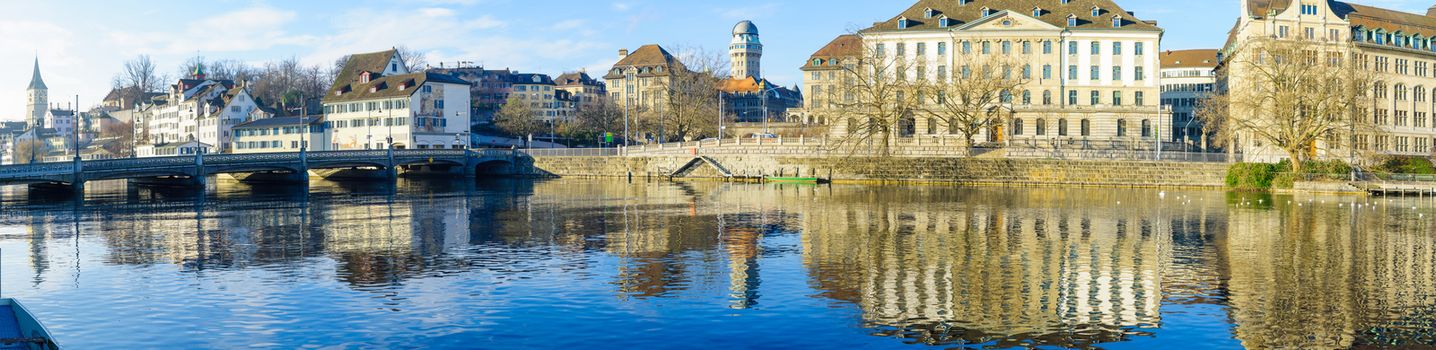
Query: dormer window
[[364, 78], [1064, 2], [1096, 11], [944, 22], [1071, 20], [1036, 12], [964, 2], [1117, 22], [986, 12], [904, 23], [929, 13]]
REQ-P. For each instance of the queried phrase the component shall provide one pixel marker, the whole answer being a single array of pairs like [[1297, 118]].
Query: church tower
[[37, 98], [746, 51]]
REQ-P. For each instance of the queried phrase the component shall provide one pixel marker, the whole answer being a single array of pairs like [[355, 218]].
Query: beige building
[[1399, 47], [281, 134], [821, 79], [583, 91], [539, 91], [640, 78], [1090, 67]]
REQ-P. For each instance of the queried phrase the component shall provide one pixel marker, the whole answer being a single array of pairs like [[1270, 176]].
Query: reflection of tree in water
[[997, 267], [1318, 276]]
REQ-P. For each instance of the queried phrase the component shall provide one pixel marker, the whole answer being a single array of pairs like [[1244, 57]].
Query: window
[[1047, 97], [1037, 12], [986, 47], [1146, 128], [1026, 97], [1086, 127], [1121, 127], [1140, 74], [941, 49], [1116, 72], [1072, 72], [1072, 98], [1096, 72], [1096, 48], [901, 49], [1282, 31], [1026, 47], [1138, 99], [1116, 22], [880, 49], [1137, 48], [1027, 72], [1017, 126], [1072, 48], [921, 49], [966, 47], [1041, 126], [1096, 11], [1116, 48], [1096, 97], [1062, 127], [1007, 47], [1071, 20], [1047, 71], [1116, 98], [1046, 47]]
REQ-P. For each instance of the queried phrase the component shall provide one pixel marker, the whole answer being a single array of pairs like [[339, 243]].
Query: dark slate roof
[[1358, 15], [1054, 12], [35, 82], [388, 86], [530, 79], [278, 122], [373, 62]]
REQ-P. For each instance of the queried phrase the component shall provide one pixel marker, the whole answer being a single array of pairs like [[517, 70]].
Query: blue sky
[[82, 43]]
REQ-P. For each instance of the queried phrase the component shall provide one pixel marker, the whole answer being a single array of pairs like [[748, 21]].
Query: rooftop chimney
[[622, 53]]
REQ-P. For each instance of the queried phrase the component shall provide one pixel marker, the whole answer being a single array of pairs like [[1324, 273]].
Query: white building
[[376, 103], [36, 99], [746, 51], [200, 109], [1187, 77]]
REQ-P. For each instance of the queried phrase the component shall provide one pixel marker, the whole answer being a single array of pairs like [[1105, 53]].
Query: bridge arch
[[495, 167]]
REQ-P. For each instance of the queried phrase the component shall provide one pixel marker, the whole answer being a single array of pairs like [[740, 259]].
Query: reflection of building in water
[[1321, 278], [742, 245], [379, 242], [976, 271]]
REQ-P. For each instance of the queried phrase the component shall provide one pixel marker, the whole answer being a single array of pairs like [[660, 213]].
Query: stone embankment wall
[[973, 171]]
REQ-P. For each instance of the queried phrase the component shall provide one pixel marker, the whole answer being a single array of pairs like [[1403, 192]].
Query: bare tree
[[415, 60], [517, 118], [1294, 94], [26, 151], [138, 74], [690, 107], [976, 94], [879, 98], [593, 121]]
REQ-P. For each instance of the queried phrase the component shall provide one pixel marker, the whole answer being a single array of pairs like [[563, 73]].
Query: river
[[611, 264]]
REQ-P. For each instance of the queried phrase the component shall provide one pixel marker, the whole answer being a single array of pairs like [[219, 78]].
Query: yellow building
[[639, 80], [1089, 68], [1399, 47]]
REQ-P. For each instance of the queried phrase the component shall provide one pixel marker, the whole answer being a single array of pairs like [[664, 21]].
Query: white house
[[376, 103]]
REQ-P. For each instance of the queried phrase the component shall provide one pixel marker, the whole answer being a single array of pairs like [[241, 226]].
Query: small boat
[[800, 180], [19, 330]]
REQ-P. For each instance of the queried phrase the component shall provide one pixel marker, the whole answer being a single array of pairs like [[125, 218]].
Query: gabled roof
[[1200, 58], [1390, 20], [1054, 13], [648, 59], [844, 46], [576, 78], [35, 82], [373, 62], [388, 86]]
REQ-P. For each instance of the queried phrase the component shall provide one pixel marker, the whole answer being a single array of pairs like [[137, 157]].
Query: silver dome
[[745, 27]]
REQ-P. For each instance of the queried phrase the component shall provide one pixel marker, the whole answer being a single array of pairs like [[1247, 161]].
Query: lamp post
[[369, 130]]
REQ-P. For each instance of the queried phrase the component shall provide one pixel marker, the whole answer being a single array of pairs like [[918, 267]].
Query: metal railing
[[572, 152]]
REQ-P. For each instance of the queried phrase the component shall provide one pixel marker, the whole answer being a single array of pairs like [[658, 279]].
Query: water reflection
[[923, 265]]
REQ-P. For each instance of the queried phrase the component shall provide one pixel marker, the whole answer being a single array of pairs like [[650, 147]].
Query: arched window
[[1086, 127], [1047, 97], [1121, 127], [1041, 127], [1062, 127], [1017, 126], [1026, 97], [1146, 128]]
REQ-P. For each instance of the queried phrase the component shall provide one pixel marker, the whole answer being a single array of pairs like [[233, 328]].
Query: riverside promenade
[[907, 162]]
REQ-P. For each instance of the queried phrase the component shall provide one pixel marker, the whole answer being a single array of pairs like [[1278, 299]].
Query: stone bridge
[[280, 167]]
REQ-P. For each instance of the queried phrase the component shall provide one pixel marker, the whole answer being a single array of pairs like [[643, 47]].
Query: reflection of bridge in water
[[263, 167]]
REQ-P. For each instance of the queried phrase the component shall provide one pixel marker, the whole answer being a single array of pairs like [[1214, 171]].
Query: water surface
[[609, 264]]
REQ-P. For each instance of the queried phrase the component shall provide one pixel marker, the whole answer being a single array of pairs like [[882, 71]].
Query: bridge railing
[[572, 152], [21, 170], [131, 163], [429, 153]]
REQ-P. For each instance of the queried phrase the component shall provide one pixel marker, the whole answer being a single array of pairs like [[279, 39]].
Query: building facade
[[639, 80], [37, 99], [1398, 47], [198, 109], [376, 103], [1188, 76], [1089, 65], [489, 89], [583, 91], [281, 134], [746, 51], [542, 96]]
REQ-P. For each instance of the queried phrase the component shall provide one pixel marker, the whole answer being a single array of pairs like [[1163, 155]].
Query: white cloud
[[250, 29]]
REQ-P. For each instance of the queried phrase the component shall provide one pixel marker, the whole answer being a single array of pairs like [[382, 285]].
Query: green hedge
[[1407, 165], [1263, 176]]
